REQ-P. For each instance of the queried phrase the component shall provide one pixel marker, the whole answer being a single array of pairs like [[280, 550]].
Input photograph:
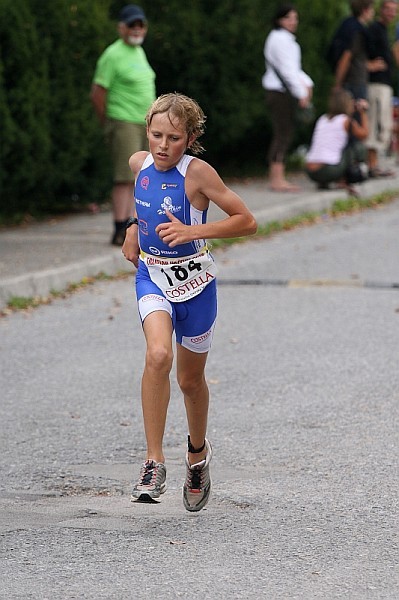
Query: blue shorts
[[193, 320]]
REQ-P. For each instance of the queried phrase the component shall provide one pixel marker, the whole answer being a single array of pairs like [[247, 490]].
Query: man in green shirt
[[122, 91]]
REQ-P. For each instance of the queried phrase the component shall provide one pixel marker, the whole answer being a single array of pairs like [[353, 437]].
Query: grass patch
[[22, 303], [17, 303]]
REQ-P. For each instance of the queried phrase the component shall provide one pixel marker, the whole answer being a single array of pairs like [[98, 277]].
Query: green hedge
[[52, 155]]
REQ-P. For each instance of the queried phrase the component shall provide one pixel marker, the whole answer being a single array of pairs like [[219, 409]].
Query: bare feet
[[351, 191], [284, 186], [377, 172]]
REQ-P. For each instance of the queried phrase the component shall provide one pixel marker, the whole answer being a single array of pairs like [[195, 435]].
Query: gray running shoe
[[151, 483], [197, 487]]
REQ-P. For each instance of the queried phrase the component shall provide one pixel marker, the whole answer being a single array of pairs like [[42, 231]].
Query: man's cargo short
[[124, 139]]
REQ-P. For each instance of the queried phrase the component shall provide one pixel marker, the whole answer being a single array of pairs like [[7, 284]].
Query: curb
[[41, 283]]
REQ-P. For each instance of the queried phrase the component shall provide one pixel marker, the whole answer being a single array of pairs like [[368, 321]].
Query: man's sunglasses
[[135, 24]]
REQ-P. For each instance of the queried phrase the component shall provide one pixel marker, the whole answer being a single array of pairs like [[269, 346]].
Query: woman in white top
[[329, 155], [286, 85]]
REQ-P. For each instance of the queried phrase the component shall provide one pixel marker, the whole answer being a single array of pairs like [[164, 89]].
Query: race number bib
[[181, 278]]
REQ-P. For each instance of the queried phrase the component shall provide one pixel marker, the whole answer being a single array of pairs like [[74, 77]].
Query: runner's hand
[[173, 233], [130, 248]]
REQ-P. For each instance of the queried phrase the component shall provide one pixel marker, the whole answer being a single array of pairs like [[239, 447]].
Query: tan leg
[[191, 379], [372, 158], [155, 387], [122, 201], [278, 182]]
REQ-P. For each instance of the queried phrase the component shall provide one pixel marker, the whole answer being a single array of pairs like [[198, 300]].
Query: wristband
[[131, 221]]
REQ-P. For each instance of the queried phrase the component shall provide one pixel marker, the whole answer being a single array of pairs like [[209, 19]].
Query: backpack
[[356, 172], [341, 41]]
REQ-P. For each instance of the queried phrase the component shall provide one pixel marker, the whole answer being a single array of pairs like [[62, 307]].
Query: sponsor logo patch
[[145, 182], [143, 226], [167, 204], [158, 252], [201, 338], [166, 186], [143, 203], [151, 297]]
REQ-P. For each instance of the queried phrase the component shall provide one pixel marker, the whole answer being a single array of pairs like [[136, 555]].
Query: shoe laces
[[194, 476], [148, 472]]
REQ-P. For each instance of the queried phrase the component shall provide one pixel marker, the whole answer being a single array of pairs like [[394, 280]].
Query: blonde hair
[[186, 110]]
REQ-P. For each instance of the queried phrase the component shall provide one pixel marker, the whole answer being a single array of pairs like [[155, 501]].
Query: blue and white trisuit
[[179, 280]]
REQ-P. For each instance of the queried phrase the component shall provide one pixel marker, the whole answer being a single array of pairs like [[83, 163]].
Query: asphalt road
[[304, 381]]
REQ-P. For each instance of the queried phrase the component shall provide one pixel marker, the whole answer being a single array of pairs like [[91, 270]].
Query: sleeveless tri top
[[183, 271], [157, 191]]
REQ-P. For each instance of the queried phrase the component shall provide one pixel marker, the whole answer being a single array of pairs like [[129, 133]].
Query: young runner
[[176, 282]]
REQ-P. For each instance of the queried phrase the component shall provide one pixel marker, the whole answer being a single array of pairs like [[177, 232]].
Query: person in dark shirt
[[353, 66], [380, 89]]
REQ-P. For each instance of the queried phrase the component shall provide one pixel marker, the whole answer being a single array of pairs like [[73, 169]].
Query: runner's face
[[167, 140]]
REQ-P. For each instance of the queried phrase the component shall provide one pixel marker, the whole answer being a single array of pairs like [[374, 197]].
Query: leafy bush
[[52, 156]]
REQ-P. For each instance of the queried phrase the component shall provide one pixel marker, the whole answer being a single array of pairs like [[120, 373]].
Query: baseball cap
[[130, 13]]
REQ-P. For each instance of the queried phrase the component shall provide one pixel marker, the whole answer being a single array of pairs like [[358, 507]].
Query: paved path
[[304, 384]]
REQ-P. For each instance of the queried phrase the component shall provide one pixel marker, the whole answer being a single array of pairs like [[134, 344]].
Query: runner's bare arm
[[130, 248], [204, 185]]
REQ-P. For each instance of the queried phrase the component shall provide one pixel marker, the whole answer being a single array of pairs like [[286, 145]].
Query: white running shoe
[[151, 483], [197, 487]]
